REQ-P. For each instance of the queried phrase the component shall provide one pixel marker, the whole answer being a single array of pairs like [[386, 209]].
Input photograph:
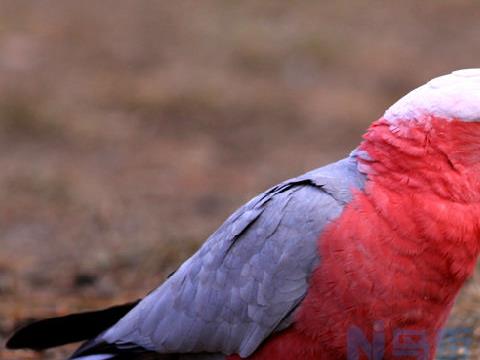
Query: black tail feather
[[63, 330], [124, 352]]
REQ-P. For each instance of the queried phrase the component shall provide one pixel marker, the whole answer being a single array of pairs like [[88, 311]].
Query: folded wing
[[248, 278]]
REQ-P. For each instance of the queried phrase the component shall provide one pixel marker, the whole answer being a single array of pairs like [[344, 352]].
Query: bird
[[359, 259]]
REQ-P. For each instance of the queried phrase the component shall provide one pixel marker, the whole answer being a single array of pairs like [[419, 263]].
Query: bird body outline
[[385, 236]]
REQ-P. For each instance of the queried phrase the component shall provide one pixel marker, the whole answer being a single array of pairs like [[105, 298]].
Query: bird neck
[[429, 155], [426, 173]]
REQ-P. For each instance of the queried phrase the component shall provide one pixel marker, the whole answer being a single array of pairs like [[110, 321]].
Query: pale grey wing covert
[[247, 279]]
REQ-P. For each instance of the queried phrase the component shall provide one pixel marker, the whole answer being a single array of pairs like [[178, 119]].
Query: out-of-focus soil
[[130, 130]]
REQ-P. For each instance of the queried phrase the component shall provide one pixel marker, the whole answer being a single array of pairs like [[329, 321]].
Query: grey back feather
[[248, 278]]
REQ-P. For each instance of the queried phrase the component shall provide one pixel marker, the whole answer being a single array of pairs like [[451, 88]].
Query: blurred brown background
[[129, 130]]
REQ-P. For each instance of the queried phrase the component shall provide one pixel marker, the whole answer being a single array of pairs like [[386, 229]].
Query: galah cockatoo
[[359, 259]]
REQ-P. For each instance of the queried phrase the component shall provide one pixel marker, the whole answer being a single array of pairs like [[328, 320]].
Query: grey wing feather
[[247, 279]]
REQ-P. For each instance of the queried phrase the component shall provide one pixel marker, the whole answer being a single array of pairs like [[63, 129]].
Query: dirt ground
[[129, 130]]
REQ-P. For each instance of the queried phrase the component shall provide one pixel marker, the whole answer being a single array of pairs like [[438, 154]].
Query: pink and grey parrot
[[359, 259]]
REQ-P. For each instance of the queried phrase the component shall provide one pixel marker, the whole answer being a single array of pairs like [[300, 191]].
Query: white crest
[[453, 96]]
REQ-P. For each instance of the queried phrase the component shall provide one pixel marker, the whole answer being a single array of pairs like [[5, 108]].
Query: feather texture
[[247, 279]]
